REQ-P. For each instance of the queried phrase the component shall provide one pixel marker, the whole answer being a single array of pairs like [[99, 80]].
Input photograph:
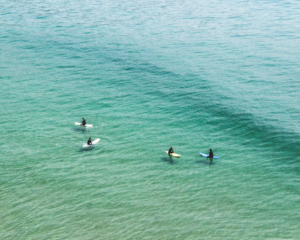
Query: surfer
[[90, 142], [83, 123], [170, 151], [211, 155]]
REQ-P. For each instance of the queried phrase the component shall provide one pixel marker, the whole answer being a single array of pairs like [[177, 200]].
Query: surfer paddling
[[83, 122], [170, 151], [89, 142]]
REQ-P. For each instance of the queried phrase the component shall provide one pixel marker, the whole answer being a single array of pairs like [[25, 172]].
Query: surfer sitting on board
[[170, 150], [211, 154], [90, 142], [83, 123]]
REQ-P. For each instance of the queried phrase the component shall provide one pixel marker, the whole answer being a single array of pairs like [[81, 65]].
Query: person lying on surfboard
[[90, 142], [83, 123], [211, 154], [170, 150]]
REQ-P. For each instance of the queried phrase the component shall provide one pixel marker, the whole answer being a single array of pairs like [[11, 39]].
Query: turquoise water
[[149, 75]]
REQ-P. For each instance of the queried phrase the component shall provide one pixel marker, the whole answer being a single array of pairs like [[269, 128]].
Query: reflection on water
[[168, 160]]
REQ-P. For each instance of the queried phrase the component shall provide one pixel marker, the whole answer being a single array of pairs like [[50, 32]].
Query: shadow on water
[[86, 149], [168, 160], [208, 162], [81, 129]]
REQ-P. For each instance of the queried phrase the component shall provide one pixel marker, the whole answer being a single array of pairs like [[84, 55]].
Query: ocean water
[[150, 75]]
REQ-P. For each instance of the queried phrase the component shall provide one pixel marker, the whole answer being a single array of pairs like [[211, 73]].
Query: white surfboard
[[206, 155], [173, 154], [93, 143], [86, 125]]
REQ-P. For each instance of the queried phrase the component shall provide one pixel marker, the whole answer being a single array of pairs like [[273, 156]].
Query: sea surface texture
[[149, 75]]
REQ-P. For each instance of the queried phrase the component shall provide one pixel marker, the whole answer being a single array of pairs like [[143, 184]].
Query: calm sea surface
[[150, 75]]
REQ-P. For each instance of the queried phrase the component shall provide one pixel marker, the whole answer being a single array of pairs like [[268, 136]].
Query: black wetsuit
[[170, 151], [211, 154], [89, 142], [83, 123]]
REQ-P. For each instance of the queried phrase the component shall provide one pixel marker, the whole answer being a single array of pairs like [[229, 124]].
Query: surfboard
[[206, 155], [173, 154], [93, 142], [86, 125]]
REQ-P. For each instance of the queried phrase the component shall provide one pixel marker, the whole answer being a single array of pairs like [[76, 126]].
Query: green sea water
[[193, 75]]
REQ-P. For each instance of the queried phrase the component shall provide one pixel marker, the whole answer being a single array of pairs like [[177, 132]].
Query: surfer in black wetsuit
[[83, 123], [170, 150], [211, 154], [90, 142]]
